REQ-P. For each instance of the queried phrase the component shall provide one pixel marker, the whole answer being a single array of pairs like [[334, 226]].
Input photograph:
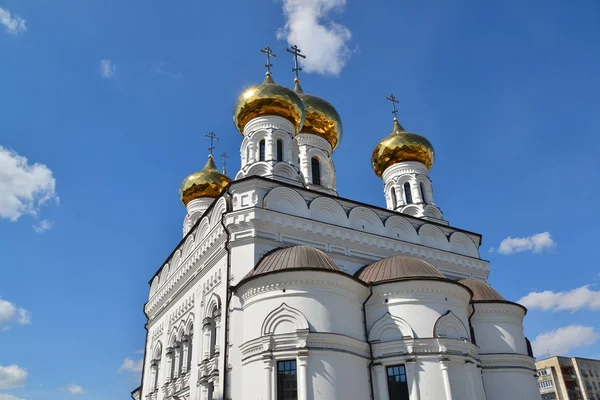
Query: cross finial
[[212, 138], [296, 52], [269, 53], [394, 102], [224, 157]]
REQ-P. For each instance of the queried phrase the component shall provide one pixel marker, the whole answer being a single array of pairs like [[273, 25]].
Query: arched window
[[247, 154], [279, 150], [316, 171], [407, 193], [261, 150], [423, 192], [393, 197]]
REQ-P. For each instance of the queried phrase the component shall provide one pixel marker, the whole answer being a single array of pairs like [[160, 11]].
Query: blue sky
[[506, 91]]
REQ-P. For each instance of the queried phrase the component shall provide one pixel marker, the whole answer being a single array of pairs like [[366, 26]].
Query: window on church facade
[[287, 385], [397, 384], [393, 197], [408, 193], [279, 150], [423, 196], [316, 171], [261, 150]]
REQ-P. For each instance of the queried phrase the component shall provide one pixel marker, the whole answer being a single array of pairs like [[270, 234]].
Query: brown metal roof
[[397, 268], [293, 258], [482, 291]]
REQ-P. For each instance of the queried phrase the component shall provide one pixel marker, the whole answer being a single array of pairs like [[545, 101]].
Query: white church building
[[282, 290]]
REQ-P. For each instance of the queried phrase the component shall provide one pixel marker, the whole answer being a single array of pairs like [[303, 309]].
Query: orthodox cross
[[296, 52], [269, 53], [212, 138], [394, 102], [224, 157]]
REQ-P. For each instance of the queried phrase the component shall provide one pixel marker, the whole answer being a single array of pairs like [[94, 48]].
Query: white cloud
[[108, 69], [324, 42], [562, 340], [536, 243], [9, 397], [131, 365], [43, 226], [13, 24], [12, 377], [573, 300], [74, 389], [24, 188], [10, 314]]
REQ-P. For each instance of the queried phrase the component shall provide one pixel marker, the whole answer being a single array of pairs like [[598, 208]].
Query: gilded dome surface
[[268, 99], [208, 182], [401, 146], [322, 119]]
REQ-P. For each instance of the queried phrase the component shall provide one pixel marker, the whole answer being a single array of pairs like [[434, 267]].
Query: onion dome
[[293, 258], [322, 119], [482, 291], [401, 146], [268, 99], [208, 182], [397, 268]]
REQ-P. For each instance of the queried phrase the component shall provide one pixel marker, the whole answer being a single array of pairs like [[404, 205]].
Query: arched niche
[[284, 319], [287, 201], [389, 328], [328, 210]]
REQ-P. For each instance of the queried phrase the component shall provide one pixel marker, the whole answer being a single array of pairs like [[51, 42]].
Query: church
[[282, 290]]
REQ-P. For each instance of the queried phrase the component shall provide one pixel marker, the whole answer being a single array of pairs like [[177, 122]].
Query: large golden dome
[[208, 182], [322, 119], [268, 99], [401, 146]]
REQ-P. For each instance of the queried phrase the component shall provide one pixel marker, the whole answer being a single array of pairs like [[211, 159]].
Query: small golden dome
[[401, 146], [322, 119], [208, 182], [268, 99]]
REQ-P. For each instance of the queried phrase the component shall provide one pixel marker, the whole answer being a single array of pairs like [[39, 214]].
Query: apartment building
[[569, 378]]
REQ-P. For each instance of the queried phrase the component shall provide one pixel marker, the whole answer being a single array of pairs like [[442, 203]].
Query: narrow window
[[316, 171], [287, 386], [393, 196], [407, 193], [279, 150], [261, 150], [423, 192], [397, 385], [247, 154]]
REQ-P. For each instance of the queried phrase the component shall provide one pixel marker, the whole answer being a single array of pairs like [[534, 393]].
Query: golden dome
[[401, 146], [268, 99], [208, 182], [322, 119]]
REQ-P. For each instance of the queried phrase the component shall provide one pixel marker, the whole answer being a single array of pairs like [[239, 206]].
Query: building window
[[261, 150], [393, 197], [545, 384], [423, 196], [316, 171], [287, 386], [407, 193], [279, 150], [397, 385]]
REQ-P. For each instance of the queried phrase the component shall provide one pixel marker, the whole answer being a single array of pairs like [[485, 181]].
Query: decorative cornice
[[277, 282]]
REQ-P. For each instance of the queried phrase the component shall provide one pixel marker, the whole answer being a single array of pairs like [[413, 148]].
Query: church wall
[[330, 302], [337, 376], [419, 303], [513, 384], [498, 328]]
